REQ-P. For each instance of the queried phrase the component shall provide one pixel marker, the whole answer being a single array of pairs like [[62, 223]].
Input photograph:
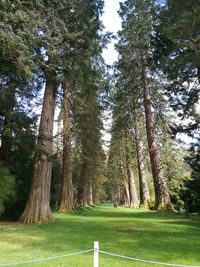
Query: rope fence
[[46, 259], [97, 251], [147, 261]]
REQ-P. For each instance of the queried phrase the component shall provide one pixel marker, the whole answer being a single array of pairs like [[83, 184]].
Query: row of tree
[[53, 50], [55, 47], [157, 72]]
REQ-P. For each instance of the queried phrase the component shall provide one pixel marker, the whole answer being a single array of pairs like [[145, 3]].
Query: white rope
[[147, 261], [45, 259], [103, 252]]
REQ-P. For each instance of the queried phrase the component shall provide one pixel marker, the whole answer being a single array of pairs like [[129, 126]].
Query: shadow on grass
[[169, 217], [151, 235]]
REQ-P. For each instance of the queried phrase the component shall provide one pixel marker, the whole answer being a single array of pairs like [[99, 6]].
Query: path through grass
[[154, 236]]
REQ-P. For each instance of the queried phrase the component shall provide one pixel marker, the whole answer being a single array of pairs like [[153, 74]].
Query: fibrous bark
[[132, 188], [66, 202], [37, 209], [131, 181], [162, 198], [127, 194], [82, 194], [89, 193], [144, 190]]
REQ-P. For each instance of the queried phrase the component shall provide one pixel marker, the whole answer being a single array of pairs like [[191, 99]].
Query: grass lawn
[[157, 236]]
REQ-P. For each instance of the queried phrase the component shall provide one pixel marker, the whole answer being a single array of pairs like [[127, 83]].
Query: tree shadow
[[142, 234]]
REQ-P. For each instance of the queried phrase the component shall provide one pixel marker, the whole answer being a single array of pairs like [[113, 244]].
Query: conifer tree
[[137, 27], [177, 56], [54, 36], [66, 202], [120, 163]]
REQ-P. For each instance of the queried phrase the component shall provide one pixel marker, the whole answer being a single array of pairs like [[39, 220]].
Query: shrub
[[7, 187]]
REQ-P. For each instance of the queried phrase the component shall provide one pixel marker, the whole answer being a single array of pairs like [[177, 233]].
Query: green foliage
[[193, 185], [18, 141], [7, 187], [64, 38], [40, 39], [175, 168], [177, 54]]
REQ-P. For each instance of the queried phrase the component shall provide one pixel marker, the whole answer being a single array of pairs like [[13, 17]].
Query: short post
[[96, 253]]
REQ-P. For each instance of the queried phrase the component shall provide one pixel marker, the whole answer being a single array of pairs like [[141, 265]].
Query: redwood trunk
[[66, 202], [132, 188], [144, 190], [37, 208], [82, 194], [127, 194], [162, 198], [131, 180], [89, 194]]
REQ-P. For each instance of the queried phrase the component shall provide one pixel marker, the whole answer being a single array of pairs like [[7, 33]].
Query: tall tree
[[137, 26], [16, 64], [177, 56], [53, 36], [131, 181], [89, 85], [38, 208], [90, 143], [120, 163], [66, 202], [144, 190]]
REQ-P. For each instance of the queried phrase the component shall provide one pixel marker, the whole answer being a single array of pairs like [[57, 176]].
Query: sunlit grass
[[157, 236]]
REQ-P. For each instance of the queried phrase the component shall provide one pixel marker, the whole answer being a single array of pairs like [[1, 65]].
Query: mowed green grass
[[156, 236]]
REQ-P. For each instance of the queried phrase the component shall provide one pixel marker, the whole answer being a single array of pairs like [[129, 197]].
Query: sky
[[112, 23]]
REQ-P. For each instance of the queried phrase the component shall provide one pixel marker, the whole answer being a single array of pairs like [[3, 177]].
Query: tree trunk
[[131, 181], [84, 166], [162, 198], [127, 194], [132, 188], [66, 201], [82, 194], [37, 208], [144, 190], [89, 194]]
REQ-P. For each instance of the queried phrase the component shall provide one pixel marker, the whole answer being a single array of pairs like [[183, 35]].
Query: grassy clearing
[[149, 235]]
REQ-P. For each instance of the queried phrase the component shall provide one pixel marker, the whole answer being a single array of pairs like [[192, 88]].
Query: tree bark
[[131, 181], [127, 194], [66, 201], [89, 194], [82, 194], [37, 208], [144, 190], [162, 198], [85, 166], [132, 188]]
